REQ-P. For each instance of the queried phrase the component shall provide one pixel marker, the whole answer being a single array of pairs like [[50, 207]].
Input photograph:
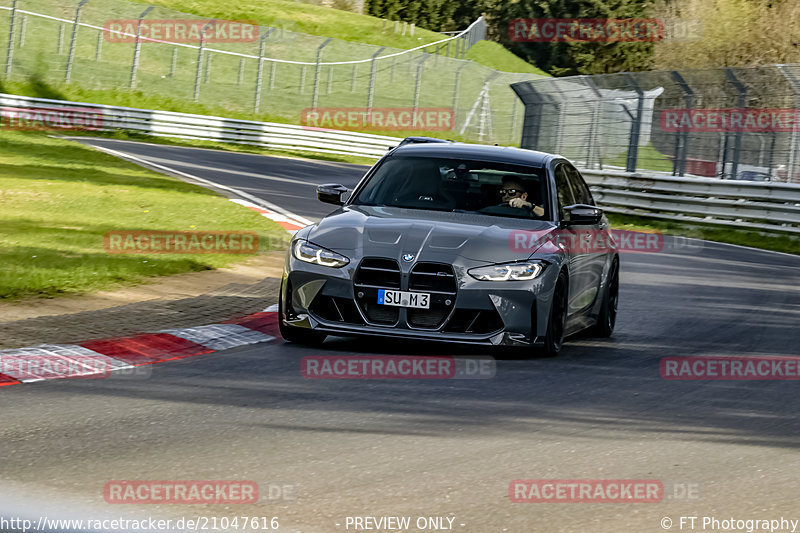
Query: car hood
[[359, 231]]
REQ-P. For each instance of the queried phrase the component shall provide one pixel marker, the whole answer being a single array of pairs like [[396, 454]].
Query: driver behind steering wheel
[[513, 194]]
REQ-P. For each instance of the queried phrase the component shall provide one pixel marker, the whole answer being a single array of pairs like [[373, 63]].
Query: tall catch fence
[[730, 123], [253, 72]]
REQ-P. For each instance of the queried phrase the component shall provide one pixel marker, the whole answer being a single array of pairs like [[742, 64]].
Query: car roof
[[499, 154]]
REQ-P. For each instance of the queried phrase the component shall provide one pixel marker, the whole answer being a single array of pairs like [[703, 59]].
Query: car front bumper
[[517, 311]]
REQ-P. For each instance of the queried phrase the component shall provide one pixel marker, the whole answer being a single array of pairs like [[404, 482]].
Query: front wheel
[[556, 324], [607, 318]]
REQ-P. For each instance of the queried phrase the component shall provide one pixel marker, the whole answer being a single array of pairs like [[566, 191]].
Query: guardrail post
[[371, 91], [137, 47], [682, 137], [636, 126], [315, 91], [199, 70], [260, 70], [10, 50], [741, 102]]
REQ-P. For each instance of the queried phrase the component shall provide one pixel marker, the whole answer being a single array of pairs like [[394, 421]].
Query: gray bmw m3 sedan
[[457, 243]]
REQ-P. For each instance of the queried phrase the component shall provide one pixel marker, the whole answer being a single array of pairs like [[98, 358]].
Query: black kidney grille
[[439, 280], [376, 273]]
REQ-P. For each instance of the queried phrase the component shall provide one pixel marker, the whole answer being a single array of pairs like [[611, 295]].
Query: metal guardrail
[[745, 205], [208, 128]]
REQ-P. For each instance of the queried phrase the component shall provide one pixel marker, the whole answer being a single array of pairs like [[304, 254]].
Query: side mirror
[[331, 193], [582, 214]]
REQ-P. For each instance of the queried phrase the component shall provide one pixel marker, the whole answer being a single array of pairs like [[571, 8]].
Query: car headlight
[[507, 272], [311, 253]]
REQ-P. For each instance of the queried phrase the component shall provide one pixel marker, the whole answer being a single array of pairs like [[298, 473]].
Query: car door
[[577, 264], [590, 260]]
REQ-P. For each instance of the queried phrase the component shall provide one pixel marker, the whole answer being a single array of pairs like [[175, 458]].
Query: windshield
[[458, 185]]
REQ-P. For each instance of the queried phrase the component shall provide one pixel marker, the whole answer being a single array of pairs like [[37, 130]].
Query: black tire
[[556, 323], [304, 336], [607, 318]]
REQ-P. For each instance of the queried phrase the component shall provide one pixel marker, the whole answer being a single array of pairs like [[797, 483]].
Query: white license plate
[[418, 300]]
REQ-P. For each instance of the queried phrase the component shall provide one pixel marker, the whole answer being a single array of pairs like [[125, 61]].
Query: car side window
[[565, 196], [582, 193]]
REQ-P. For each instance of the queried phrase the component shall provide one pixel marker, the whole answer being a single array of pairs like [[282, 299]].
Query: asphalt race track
[[440, 448]]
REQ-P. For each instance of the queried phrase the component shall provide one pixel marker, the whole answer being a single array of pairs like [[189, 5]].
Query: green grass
[[101, 70], [58, 199], [648, 158], [305, 18], [494, 55], [776, 242]]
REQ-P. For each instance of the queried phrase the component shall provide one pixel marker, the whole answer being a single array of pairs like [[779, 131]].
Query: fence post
[[371, 91], [174, 62], [60, 43], [591, 148], [636, 126], [330, 79], [418, 83], [315, 90], [137, 47], [240, 75], [679, 160], [792, 163], [199, 71], [455, 90], [71, 54], [23, 25], [260, 70], [10, 51], [98, 50], [741, 102], [303, 79]]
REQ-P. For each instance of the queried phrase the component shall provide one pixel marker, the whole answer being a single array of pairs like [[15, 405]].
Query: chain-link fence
[[264, 73], [732, 123]]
